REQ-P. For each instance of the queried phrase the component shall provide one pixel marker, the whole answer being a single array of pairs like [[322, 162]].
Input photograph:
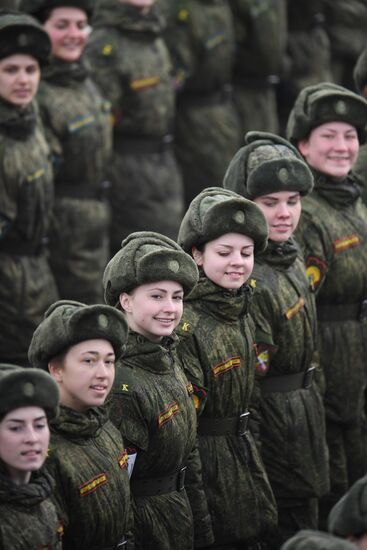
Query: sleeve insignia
[[344, 243], [92, 485], [315, 270], [227, 365], [167, 415]]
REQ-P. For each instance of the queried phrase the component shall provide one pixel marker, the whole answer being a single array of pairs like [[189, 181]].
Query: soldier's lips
[[31, 454], [164, 320]]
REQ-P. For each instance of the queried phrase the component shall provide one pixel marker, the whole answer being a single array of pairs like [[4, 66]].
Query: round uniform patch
[[107, 49], [340, 107], [28, 389], [23, 40], [239, 217], [283, 175], [102, 320], [173, 265]]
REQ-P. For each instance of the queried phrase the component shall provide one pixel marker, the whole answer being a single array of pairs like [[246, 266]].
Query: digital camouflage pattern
[[28, 518], [78, 126], [360, 170], [261, 37], [152, 407], [292, 423], [217, 353], [200, 38], [88, 461], [130, 62], [26, 197], [333, 235]]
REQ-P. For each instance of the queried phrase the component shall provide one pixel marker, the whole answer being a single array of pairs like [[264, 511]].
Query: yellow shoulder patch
[[107, 49], [183, 15]]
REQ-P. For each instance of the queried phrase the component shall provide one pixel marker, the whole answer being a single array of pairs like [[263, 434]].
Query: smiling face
[[331, 148], [282, 211], [67, 28], [154, 309], [19, 79], [24, 439], [85, 374], [228, 261]]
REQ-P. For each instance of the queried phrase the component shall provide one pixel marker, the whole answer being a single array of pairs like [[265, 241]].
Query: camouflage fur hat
[[146, 257], [267, 164], [360, 71], [20, 33], [215, 212], [67, 323], [316, 540], [325, 102], [38, 7], [26, 387], [349, 515]]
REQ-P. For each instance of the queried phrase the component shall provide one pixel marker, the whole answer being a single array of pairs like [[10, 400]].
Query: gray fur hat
[[217, 211], [27, 387], [316, 540], [67, 323], [349, 514], [267, 164], [325, 102], [38, 7], [146, 257]]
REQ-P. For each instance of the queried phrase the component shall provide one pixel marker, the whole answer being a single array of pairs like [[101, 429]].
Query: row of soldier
[[326, 125]]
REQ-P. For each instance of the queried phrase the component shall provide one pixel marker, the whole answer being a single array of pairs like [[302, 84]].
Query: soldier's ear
[[197, 255], [125, 302]]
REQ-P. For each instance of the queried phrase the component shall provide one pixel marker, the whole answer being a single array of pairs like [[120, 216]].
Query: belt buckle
[[363, 311], [243, 423], [307, 380], [181, 479]]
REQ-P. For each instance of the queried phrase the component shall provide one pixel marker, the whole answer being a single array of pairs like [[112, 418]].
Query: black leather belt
[[158, 485], [237, 425], [287, 382], [144, 144], [343, 312]]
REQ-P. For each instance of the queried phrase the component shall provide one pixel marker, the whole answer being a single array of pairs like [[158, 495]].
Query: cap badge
[[283, 175], [173, 265], [102, 320], [340, 107], [239, 217], [28, 389]]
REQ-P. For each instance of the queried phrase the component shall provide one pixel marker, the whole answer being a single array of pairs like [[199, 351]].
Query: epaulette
[[188, 323], [125, 381]]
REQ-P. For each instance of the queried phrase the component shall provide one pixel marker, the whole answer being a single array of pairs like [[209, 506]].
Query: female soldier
[[26, 193], [151, 401], [326, 124], [78, 123], [271, 172], [28, 520], [79, 344], [223, 230]]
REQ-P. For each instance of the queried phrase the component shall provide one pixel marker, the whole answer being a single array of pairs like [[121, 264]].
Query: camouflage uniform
[[28, 519], [200, 37], [152, 407], [26, 197], [77, 122], [292, 427], [131, 64], [333, 234], [217, 353], [261, 34], [89, 464]]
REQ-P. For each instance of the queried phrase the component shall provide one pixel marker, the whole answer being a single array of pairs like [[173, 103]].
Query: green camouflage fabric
[[200, 38], [308, 58], [316, 540], [130, 62], [333, 235], [151, 405], [28, 518], [26, 197], [216, 351], [88, 461], [261, 37], [292, 423], [360, 170], [345, 23], [78, 125]]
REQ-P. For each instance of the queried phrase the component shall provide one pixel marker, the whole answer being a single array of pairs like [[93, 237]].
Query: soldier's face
[[331, 148], [228, 261], [67, 28], [282, 211], [85, 374], [24, 439], [19, 79], [154, 309]]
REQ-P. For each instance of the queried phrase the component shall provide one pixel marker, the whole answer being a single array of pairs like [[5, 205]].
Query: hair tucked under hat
[[27, 387], [325, 102], [67, 323], [38, 7], [215, 212], [316, 540], [21, 34], [146, 257], [349, 515], [267, 164]]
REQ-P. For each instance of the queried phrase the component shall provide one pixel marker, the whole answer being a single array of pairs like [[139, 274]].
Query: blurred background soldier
[[360, 81]]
